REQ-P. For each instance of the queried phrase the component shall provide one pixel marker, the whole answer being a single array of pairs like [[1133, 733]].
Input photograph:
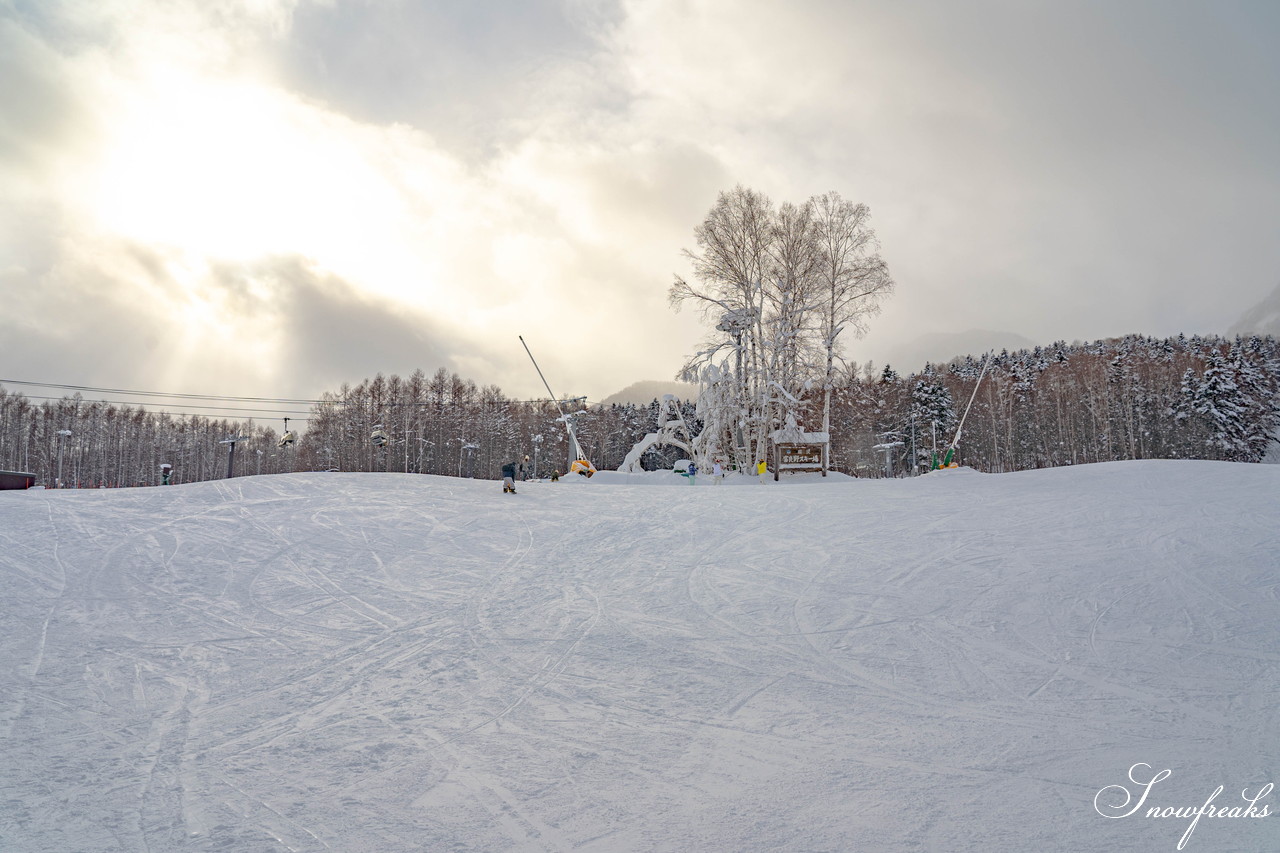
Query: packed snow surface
[[369, 662]]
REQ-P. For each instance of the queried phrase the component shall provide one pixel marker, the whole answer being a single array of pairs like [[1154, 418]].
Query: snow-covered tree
[[932, 416], [1218, 401], [779, 285], [731, 267]]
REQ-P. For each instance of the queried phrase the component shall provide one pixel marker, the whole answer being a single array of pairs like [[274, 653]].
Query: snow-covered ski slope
[[367, 662]]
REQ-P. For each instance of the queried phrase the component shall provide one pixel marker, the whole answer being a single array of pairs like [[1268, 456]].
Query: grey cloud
[[67, 323], [1104, 168], [73, 324], [38, 110], [332, 334], [461, 71]]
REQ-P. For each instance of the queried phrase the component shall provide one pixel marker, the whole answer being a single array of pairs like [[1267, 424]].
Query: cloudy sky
[[273, 197]]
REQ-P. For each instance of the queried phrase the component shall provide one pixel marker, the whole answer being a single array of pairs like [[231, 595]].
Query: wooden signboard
[[797, 457]]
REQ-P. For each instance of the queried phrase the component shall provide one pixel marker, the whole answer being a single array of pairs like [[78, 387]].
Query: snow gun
[[948, 459], [579, 463]]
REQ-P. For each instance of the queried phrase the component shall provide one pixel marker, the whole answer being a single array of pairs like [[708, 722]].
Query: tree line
[[91, 444], [1135, 397], [441, 424], [444, 424]]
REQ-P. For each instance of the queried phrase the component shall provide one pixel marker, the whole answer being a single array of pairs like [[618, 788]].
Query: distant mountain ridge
[[941, 347], [644, 392], [1261, 319]]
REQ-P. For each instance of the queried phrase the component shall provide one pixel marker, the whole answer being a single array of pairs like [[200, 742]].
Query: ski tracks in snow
[[337, 662]]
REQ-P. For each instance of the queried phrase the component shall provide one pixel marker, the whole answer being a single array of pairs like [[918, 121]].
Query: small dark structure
[[16, 480]]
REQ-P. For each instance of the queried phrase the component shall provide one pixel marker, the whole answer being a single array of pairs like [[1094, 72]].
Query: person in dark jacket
[[509, 477]]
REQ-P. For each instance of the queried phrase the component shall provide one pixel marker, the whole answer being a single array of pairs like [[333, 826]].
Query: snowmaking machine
[[948, 460], [578, 462]]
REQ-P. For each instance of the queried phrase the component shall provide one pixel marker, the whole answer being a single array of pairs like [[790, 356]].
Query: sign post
[[798, 457]]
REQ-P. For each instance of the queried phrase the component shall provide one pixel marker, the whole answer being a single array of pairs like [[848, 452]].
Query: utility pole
[[914, 466]]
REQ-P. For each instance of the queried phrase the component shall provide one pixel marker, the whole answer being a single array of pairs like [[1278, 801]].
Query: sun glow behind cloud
[[211, 164], [210, 171], [237, 170]]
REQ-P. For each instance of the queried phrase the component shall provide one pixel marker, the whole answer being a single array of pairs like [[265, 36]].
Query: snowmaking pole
[[575, 452], [956, 441]]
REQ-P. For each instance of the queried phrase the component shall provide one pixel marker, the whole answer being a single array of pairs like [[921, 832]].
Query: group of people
[[522, 470]]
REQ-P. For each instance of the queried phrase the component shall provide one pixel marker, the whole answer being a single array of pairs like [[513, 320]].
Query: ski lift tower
[[231, 453], [63, 435], [888, 447]]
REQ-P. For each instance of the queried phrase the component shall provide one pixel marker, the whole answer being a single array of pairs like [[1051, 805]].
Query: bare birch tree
[[731, 265], [780, 286], [854, 280]]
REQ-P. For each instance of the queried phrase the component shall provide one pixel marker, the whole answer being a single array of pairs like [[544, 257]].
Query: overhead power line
[[294, 414], [221, 397], [231, 399]]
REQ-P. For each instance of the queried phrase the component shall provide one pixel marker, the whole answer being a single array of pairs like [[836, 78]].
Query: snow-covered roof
[[799, 436]]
